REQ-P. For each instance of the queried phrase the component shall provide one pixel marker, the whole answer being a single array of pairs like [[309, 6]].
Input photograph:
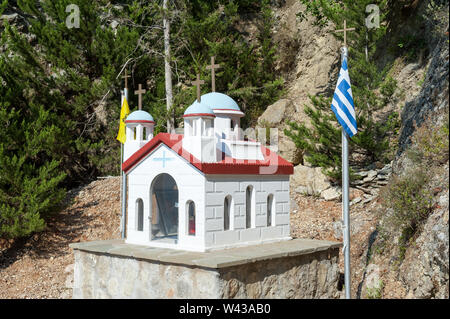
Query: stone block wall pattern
[[219, 187], [208, 192], [291, 269]]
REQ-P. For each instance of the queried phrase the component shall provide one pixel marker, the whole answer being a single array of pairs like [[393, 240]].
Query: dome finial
[[213, 68], [139, 94], [198, 83]]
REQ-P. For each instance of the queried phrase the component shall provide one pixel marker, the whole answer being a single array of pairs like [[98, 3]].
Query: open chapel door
[[164, 207]]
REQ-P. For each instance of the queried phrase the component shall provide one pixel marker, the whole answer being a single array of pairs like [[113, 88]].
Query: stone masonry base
[[297, 268]]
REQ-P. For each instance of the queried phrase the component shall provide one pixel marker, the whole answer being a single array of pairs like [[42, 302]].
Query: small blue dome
[[197, 108], [138, 116], [219, 101]]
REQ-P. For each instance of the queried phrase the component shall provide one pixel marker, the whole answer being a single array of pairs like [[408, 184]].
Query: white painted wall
[[190, 184], [202, 148], [208, 193], [218, 187], [242, 150], [199, 139], [132, 145]]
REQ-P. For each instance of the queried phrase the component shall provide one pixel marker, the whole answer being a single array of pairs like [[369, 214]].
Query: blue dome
[[220, 101], [197, 108], [138, 116]]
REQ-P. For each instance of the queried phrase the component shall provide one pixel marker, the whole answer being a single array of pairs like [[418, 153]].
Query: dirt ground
[[41, 266]]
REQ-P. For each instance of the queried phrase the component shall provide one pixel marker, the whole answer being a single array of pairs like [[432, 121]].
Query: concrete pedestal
[[297, 268]]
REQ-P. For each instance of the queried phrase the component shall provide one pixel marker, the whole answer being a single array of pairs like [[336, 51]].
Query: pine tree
[[321, 143], [51, 78], [60, 87]]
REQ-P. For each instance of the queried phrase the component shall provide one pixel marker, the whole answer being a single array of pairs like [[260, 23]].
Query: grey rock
[[337, 227], [383, 177], [387, 169], [276, 113], [287, 148], [331, 193], [301, 190], [311, 180], [368, 179], [294, 206], [372, 173], [358, 182], [114, 24], [362, 173], [9, 17], [355, 201], [373, 285]]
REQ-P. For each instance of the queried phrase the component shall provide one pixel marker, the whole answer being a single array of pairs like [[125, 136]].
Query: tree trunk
[[168, 69]]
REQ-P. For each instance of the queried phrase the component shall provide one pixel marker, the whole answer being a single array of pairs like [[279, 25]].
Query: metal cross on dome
[[213, 68], [139, 93], [345, 32], [197, 83], [126, 76]]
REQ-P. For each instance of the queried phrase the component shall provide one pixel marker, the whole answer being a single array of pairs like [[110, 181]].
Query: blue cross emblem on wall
[[163, 159]]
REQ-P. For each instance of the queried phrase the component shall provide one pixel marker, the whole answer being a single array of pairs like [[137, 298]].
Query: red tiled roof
[[271, 165]]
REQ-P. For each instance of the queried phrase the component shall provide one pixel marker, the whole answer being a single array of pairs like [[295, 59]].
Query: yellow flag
[[124, 111]]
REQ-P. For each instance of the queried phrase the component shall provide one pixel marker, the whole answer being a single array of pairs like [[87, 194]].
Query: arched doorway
[[164, 208]]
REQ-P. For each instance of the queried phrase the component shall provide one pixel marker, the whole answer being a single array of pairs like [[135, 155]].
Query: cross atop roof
[[197, 83], [345, 32], [126, 76], [139, 93], [213, 68]]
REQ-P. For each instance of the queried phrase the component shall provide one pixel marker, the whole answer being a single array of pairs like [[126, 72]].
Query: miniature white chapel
[[206, 189]]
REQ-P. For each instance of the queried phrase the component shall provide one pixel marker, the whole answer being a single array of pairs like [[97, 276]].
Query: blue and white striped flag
[[342, 104]]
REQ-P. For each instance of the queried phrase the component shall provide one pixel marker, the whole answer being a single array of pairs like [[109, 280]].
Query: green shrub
[[409, 198], [430, 143], [60, 87], [321, 143], [375, 292]]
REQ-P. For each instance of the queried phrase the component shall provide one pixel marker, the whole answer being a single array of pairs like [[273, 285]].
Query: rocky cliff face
[[418, 268], [424, 271], [433, 96], [309, 58]]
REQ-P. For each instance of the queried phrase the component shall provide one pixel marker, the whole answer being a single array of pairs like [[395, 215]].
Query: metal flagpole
[[345, 203], [123, 195]]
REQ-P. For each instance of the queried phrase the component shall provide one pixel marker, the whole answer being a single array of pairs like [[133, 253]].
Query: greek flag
[[342, 104]]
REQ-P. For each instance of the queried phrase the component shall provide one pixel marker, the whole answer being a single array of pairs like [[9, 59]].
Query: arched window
[[248, 206], [164, 207], [227, 209], [270, 210], [139, 215], [144, 133], [189, 127], [194, 127], [190, 207], [208, 127]]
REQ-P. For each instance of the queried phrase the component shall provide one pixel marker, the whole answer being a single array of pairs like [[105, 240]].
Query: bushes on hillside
[[60, 86]]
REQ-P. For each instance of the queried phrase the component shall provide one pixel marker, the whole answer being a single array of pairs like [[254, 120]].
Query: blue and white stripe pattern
[[342, 104]]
